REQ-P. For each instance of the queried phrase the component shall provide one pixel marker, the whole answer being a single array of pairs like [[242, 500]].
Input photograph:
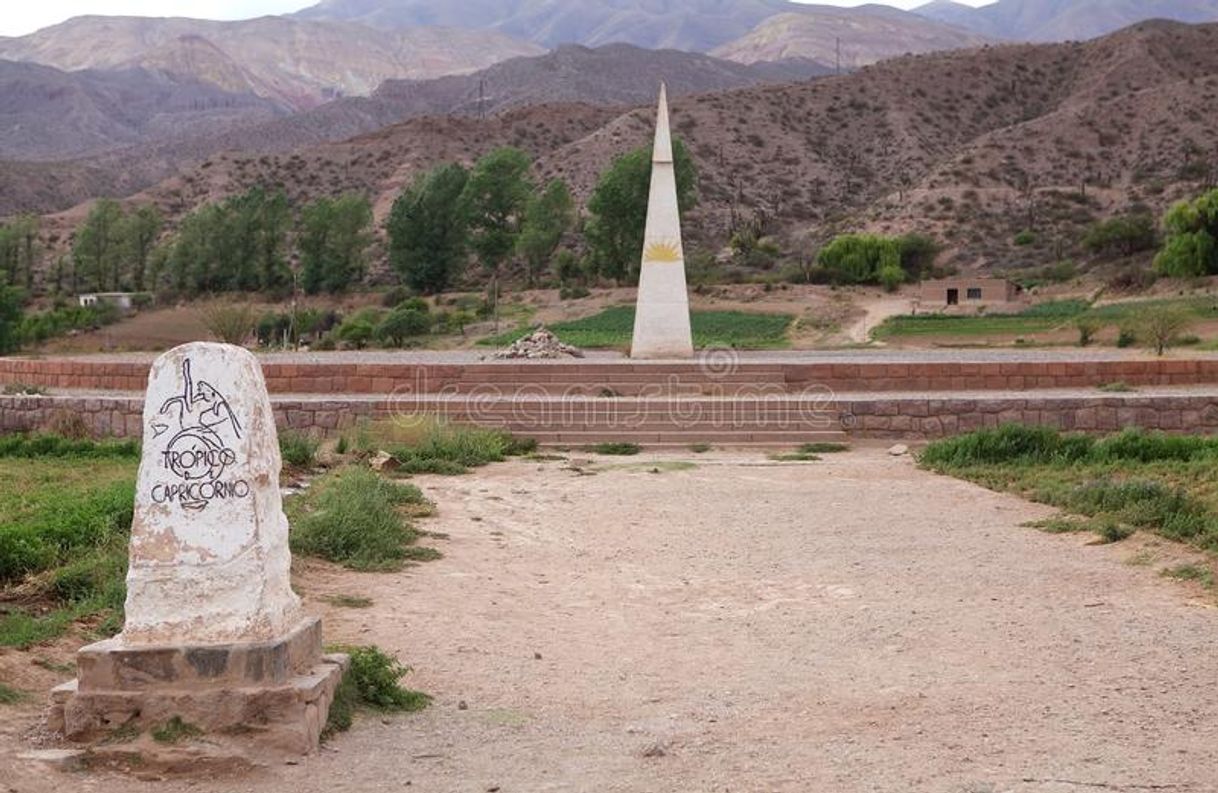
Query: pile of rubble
[[541, 343]]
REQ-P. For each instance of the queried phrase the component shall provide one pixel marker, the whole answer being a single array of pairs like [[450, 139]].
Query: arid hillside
[[862, 35], [1064, 20], [176, 122], [296, 63], [973, 147], [52, 114]]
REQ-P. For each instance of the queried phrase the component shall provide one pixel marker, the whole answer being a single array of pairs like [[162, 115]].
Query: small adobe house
[[966, 292]]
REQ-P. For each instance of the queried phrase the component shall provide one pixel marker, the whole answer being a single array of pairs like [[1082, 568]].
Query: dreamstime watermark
[[718, 391]]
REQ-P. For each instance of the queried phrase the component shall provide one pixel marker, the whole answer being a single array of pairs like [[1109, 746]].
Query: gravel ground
[[849, 625]]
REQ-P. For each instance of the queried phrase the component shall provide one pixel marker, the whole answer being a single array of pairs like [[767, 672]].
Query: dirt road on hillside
[[848, 625]]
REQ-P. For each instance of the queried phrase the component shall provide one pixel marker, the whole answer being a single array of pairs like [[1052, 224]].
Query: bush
[[402, 323], [1025, 238], [1124, 236], [371, 682], [1087, 328], [1161, 326], [1009, 444], [352, 517], [622, 449], [298, 449], [231, 323]]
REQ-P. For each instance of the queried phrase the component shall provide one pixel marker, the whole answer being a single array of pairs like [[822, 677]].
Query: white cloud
[[22, 16]]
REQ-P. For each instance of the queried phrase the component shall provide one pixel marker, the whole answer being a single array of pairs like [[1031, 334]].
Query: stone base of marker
[[274, 695]]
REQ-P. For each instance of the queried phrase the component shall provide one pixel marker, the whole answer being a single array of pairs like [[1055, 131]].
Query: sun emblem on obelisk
[[662, 252]]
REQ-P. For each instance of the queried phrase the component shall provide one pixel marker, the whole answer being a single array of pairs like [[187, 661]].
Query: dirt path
[[874, 313], [848, 625]]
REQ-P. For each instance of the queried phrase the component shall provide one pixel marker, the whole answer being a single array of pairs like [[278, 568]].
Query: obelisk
[[661, 320]]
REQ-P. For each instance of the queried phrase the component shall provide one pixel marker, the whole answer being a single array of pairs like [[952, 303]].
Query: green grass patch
[[1040, 318], [356, 518], [1191, 572], [11, 696], [614, 327], [427, 446], [174, 731], [49, 446], [618, 449], [348, 601], [298, 449], [1130, 481], [372, 683], [64, 526]]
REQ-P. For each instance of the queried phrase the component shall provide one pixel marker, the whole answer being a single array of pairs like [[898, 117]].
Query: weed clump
[[174, 731], [355, 518], [437, 447], [298, 449], [372, 682], [618, 449]]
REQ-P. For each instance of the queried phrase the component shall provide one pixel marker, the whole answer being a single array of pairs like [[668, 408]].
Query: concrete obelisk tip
[[661, 322]]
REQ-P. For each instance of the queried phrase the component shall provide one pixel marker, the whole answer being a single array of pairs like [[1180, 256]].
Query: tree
[[234, 246], [547, 217], [1161, 326], [427, 230], [1121, 236], [139, 232], [618, 209], [860, 258], [494, 201], [10, 319], [402, 323], [98, 249], [1191, 246], [334, 239]]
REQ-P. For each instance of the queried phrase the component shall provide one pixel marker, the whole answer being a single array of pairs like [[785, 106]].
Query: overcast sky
[[19, 17]]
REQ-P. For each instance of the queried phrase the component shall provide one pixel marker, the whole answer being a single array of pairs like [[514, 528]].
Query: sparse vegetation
[[10, 695], [175, 731], [1124, 482], [371, 682], [356, 518], [298, 449], [1191, 572], [348, 601], [616, 449], [231, 323]]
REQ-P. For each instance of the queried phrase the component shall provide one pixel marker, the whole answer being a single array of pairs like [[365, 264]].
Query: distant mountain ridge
[[862, 35], [296, 63], [1064, 20]]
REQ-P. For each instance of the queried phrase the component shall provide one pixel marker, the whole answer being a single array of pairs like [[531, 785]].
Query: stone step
[[688, 437]]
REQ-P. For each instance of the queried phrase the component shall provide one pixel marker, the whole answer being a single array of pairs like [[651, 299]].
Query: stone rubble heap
[[541, 343]]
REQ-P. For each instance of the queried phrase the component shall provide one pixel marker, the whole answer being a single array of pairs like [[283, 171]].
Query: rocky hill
[[51, 114], [613, 75], [865, 35], [971, 146], [1064, 20], [295, 63], [697, 25]]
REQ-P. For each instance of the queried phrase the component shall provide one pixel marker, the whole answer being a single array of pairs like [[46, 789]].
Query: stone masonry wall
[[906, 417]]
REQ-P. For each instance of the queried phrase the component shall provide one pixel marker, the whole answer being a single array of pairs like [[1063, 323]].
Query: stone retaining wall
[[866, 417], [627, 378]]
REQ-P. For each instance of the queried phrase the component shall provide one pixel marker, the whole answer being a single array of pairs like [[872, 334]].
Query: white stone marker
[[209, 543], [661, 322]]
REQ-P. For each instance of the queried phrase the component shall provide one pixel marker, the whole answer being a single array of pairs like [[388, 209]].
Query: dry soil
[[848, 625]]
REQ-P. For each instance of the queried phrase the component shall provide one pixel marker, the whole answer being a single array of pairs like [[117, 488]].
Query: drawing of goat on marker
[[198, 451]]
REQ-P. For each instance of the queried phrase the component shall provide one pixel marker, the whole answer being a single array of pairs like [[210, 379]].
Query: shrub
[[403, 323], [1010, 443], [1025, 238], [1087, 328], [621, 449], [352, 517], [231, 323], [1161, 326], [298, 449], [1124, 236], [371, 682]]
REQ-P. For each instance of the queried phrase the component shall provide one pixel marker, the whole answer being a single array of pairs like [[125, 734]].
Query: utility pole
[[481, 99], [839, 55]]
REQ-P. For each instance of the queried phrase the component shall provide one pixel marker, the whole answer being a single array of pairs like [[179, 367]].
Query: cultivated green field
[[1041, 318], [613, 328]]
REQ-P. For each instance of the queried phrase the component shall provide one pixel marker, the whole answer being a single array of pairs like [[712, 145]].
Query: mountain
[[971, 146], [613, 75], [1064, 20], [296, 63], [866, 35], [51, 114], [696, 25]]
